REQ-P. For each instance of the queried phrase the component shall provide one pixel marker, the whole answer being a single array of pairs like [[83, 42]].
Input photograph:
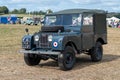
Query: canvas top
[[73, 11]]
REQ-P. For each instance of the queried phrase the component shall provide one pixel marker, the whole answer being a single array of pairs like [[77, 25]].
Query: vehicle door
[[87, 31]]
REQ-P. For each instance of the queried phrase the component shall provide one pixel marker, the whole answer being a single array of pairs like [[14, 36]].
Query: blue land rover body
[[65, 34]]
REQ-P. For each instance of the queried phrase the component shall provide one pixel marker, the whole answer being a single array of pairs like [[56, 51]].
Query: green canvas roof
[[72, 11]]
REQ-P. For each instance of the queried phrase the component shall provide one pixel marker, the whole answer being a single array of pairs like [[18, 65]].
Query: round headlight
[[50, 38], [36, 38]]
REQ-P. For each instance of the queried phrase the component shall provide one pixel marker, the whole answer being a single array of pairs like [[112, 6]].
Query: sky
[[56, 5]]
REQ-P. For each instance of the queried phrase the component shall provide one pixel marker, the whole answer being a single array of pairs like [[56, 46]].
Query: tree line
[[40, 12], [111, 14], [5, 10]]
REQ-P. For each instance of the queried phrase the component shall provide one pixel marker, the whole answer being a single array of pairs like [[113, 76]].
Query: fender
[[57, 43], [72, 39], [62, 41]]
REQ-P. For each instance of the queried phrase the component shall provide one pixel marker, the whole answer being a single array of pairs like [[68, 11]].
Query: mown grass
[[11, 35], [113, 45]]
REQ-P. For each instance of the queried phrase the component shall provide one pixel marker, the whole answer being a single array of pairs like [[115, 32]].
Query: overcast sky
[[56, 5]]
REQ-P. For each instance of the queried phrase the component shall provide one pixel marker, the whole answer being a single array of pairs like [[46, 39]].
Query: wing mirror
[[27, 31]]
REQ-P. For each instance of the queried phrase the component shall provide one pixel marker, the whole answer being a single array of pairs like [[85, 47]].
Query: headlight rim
[[36, 38], [50, 37]]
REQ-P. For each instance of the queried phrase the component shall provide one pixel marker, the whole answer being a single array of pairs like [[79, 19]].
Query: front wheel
[[97, 52], [66, 60], [31, 59]]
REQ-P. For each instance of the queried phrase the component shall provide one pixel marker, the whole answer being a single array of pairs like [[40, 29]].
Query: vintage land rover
[[64, 35]]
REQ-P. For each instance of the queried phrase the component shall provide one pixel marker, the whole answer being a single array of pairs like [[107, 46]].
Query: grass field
[[22, 15], [11, 35], [12, 66]]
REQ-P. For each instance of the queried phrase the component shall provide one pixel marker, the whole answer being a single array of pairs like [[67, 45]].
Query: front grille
[[43, 42]]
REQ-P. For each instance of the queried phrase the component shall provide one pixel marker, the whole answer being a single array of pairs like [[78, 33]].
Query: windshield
[[64, 19]]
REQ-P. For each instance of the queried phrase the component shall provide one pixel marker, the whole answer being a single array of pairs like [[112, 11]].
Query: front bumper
[[39, 52]]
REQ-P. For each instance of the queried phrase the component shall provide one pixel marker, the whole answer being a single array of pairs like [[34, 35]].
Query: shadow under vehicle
[[64, 35]]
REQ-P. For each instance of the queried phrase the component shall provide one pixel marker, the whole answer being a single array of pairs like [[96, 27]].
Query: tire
[[97, 52], [52, 28], [31, 59], [31, 24], [66, 60]]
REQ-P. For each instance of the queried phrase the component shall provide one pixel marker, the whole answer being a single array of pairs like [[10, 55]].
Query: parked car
[[64, 35], [32, 21], [29, 21]]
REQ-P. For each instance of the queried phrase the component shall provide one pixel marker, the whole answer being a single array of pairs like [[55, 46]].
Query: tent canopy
[[114, 19]]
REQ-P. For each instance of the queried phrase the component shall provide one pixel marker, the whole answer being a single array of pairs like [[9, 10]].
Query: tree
[[41, 12], [49, 11], [19, 11], [22, 11], [15, 11], [31, 13], [4, 10], [1, 10], [118, 15]]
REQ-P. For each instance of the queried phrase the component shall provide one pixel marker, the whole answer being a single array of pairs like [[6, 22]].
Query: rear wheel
[[66, 60], [31, 59], [97, 52]]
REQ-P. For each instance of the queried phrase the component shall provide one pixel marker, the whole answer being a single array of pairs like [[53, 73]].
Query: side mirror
[[27, 30]]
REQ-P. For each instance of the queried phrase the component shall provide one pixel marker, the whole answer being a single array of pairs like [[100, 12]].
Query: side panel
[[100, 23], [87, 37], [100, 27]]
